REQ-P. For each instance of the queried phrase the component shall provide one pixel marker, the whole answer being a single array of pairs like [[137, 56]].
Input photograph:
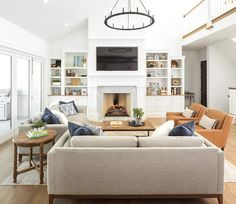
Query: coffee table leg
[[15, 164], [148, 133], [30, 157], [41, 163]]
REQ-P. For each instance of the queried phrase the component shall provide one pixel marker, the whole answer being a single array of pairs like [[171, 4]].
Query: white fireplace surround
[[101, 90]]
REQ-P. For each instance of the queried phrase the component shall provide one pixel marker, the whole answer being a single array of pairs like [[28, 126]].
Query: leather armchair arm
[[174, 113], [216, 136]]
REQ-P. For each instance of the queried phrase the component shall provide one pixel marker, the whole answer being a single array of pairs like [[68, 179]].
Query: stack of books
[[116, 124], [33, 134]]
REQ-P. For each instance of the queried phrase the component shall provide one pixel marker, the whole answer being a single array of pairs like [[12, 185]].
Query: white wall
[[14, 37], [221, 75]]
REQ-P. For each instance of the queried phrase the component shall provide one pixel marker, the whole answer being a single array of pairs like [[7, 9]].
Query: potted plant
[[38, 126], [138, 114], [56, 82]]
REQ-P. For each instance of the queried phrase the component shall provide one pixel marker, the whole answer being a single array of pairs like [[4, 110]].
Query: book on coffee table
[[32, 134], [116, 123]]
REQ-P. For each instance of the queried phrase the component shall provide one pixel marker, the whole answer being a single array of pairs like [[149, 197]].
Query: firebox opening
[[116, 105]]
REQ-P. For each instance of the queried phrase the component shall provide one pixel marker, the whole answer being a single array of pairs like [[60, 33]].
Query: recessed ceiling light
[[234, 39], [66, 24], [45, 1]]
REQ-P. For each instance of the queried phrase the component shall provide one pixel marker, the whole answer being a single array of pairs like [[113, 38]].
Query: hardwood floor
[[38, 194]]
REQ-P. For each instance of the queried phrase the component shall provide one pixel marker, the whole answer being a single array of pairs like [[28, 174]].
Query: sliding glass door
[[36, 99], [5, 93], [23, 88]]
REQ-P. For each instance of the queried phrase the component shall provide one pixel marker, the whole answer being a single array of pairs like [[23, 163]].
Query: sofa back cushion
[[170, 141], [104, 141], [217, 115], [199, 109]]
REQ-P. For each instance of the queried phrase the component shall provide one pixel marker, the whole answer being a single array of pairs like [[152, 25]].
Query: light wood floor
[[38, 194]]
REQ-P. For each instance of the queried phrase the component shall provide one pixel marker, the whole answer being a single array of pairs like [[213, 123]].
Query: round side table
[[22, 140]]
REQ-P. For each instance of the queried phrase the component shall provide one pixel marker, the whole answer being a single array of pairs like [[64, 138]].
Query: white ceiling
[[47, 20]]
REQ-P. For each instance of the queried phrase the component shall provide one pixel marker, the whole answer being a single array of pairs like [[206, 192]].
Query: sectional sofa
[[135, 167]]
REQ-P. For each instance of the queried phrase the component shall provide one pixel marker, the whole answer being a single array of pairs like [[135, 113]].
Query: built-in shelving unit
[[68, 75], [75, 79], [164, 83], [55, 76], [164, 75]]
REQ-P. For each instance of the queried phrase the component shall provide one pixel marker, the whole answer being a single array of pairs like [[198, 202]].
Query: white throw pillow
[[164, 129], [188, 113], [61, 117], [207, 122]]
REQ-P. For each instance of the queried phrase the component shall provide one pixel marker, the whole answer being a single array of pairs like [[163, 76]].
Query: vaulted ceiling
[[48, 20]]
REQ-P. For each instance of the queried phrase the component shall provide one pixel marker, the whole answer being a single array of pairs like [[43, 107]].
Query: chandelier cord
[[143, 6], [115, 5]]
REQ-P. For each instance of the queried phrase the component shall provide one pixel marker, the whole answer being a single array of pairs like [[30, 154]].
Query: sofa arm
[[216, 136], [185, 120], [174, 113]]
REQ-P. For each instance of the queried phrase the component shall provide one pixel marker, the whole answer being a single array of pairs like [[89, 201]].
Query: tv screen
[[117, 58]]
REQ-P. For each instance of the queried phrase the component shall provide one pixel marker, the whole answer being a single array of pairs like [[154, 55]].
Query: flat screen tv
[[117, 58]]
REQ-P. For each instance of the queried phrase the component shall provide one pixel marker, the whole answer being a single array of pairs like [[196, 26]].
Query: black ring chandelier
[[128, 14]]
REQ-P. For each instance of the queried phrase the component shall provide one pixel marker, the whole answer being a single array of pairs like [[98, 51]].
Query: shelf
[[176, 68], [67, 86], [76, 68], [176, 77], [52, 68], [64, 95], [55, 86], [176, 86], [76, 77], [155, 60], [158, 68], [157, 77], [55, 77]]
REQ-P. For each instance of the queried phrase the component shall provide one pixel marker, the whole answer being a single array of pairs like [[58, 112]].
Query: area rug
[[32, 177]]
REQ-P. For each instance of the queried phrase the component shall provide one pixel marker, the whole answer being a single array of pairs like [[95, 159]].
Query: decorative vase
[[138, 121]]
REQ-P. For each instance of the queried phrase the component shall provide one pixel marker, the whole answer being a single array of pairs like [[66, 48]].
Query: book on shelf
[[37, 134]]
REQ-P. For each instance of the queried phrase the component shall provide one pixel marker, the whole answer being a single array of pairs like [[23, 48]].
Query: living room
[[90, 90]]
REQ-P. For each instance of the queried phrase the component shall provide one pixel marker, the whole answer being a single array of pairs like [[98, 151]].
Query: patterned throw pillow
[[207, 122], [68, 109], [95, 130], [62, 102]]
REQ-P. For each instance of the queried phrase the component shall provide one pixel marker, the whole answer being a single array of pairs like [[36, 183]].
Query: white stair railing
[[202, 14]]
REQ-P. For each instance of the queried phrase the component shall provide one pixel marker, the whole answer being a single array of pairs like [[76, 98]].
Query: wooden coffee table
[[22, 140], [126, 127]]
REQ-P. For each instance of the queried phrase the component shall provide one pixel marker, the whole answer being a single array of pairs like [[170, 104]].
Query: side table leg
[[41, 163], [15, 164], [30, 156]]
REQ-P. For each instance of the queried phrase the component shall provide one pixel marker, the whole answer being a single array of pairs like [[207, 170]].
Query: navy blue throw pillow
[[77, 130], [186, 129], [49, 118], [75, 107]]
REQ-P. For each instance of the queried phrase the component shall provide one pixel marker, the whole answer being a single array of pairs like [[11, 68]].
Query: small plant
[[56, 80], [138, 113], [38, 124]]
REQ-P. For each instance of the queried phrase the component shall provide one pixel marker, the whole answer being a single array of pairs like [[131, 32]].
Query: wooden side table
[[22, 140]]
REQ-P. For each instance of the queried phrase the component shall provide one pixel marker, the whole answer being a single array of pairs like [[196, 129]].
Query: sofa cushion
[[104, 141], [187, 129], [217, 115], [170, 141], [207, 123], [188, 113], [164, 129], [49, 118], [78, 130]]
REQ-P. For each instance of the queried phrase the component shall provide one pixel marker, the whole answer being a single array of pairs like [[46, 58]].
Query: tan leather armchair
[[199, 109], [220, 134]]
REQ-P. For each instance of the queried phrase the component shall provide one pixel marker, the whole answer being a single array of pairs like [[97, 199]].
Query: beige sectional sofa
[[130, 167]]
